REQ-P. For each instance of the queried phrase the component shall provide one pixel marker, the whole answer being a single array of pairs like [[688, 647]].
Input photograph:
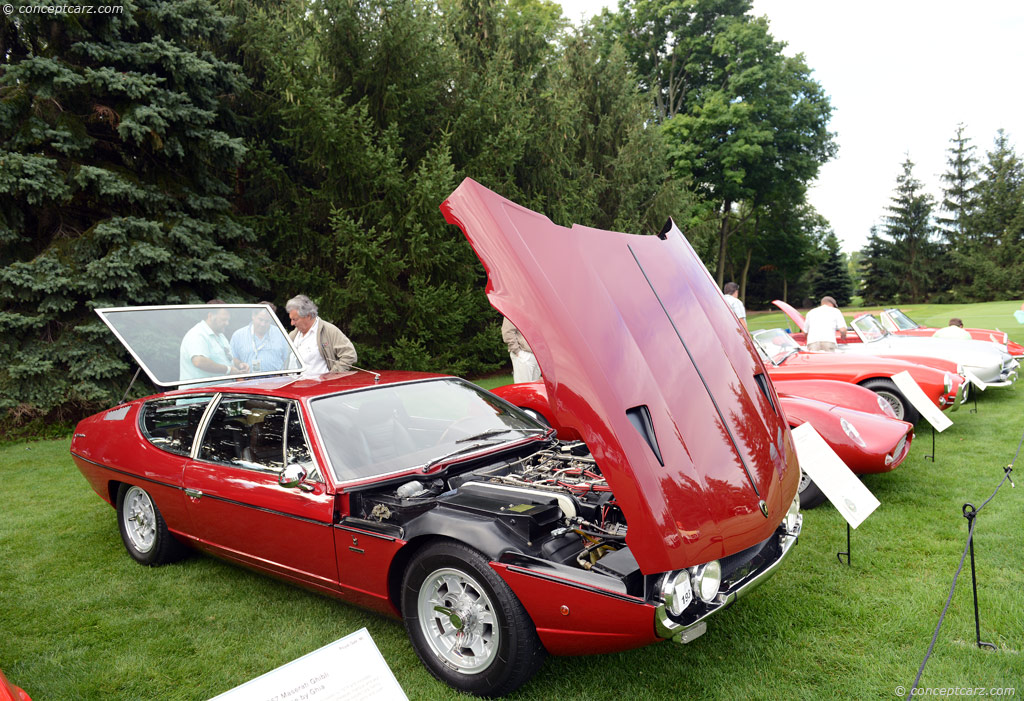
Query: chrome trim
[[665, 627]]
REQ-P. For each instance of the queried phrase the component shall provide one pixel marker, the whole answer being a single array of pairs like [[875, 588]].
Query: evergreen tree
[[908, 226], [832, 277], [365, 115], [960, 182], [993, 257], [115, 170], [880, 270]]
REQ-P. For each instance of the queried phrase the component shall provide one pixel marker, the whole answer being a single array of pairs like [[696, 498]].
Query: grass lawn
[[80, 619]]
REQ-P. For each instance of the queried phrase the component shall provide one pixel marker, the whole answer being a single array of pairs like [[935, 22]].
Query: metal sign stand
[[839, 555], [932, 456], [970, 513]]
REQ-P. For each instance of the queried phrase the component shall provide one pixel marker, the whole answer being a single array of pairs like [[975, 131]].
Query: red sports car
[[896, 322], [788, 361], [864, 432], [427, 498]]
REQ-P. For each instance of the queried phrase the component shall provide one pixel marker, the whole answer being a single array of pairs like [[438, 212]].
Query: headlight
[[676, 592], [849, 429], [706, 579], [886, 407]]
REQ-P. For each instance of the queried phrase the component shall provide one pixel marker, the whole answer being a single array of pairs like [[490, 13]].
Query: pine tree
[[908, 225], [833, 276], [959, 197], [993, 258], [879, 270], [114, 176]]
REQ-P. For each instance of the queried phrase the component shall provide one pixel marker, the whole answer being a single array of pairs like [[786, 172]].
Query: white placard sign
[[847, 493], [916, 396], [349, 669], [973, 379]]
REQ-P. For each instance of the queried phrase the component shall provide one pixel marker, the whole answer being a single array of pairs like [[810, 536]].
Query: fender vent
[[640, 417], [762, 382]]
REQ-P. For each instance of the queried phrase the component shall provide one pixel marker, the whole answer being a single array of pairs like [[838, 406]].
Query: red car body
[[786, 362], [497, 545], [10, 692]]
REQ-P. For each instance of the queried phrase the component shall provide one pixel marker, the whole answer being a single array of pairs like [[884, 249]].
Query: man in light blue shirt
[[205, 351], [260, 345]]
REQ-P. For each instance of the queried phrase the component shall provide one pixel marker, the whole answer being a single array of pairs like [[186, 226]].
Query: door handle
[[193, 493]]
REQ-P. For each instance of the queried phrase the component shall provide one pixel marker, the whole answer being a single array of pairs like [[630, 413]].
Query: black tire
[[451, 595], [143, 529], [887, 390], [810, 494]]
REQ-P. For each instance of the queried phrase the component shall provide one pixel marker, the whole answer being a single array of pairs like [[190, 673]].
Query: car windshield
[[203, 343], [390, 428], [868, 328], [895, 320], [775, 345]]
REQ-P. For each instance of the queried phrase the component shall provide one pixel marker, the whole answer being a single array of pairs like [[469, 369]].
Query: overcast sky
[[901, 74]]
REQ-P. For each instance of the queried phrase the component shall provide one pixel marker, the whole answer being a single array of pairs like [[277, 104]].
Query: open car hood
[[644, 359], [794, 316]]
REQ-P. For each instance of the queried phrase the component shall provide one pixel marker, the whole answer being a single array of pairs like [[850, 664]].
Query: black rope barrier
[[971, 514]]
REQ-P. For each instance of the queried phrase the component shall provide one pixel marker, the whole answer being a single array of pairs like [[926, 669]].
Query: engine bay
[[552, 504]]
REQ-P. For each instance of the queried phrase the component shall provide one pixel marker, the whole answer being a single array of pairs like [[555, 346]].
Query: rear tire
[[466, 625], [810, 494], [887, 390], [143, 529]]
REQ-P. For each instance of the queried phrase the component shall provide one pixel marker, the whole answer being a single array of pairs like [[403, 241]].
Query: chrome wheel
[[895, 402], [805, 482], [139, 519], [457, 619]]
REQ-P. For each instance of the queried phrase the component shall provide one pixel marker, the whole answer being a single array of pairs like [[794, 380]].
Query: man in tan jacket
[[321, 346], [524, 364]]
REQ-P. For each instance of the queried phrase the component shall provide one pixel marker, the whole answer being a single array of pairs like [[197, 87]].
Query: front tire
[[143, 529], [887, 390], [466, 625]]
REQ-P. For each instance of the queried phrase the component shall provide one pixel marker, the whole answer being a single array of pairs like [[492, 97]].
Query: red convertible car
[[788, 361], [864, 432], [427, 498], [896, 322]]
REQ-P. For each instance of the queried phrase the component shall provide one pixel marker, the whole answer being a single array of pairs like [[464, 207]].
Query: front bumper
[[690, 626]]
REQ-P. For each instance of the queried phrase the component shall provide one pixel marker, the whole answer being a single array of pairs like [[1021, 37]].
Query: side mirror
[[294, 477]]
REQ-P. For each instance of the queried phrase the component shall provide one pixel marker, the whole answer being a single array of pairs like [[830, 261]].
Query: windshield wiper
[[468, 449], [498, 432]]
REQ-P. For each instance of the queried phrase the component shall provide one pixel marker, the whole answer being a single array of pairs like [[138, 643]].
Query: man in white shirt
[[320, 344], [731, 292], [822, 323], [205, 351], [955, 330]]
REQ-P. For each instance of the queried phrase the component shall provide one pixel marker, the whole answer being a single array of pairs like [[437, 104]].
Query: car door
[[236, 503]]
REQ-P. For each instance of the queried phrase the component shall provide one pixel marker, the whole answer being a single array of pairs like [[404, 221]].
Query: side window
[[247, 432], [171, 424]]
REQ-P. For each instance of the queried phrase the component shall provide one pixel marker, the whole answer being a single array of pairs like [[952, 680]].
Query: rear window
[[171, 423]]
